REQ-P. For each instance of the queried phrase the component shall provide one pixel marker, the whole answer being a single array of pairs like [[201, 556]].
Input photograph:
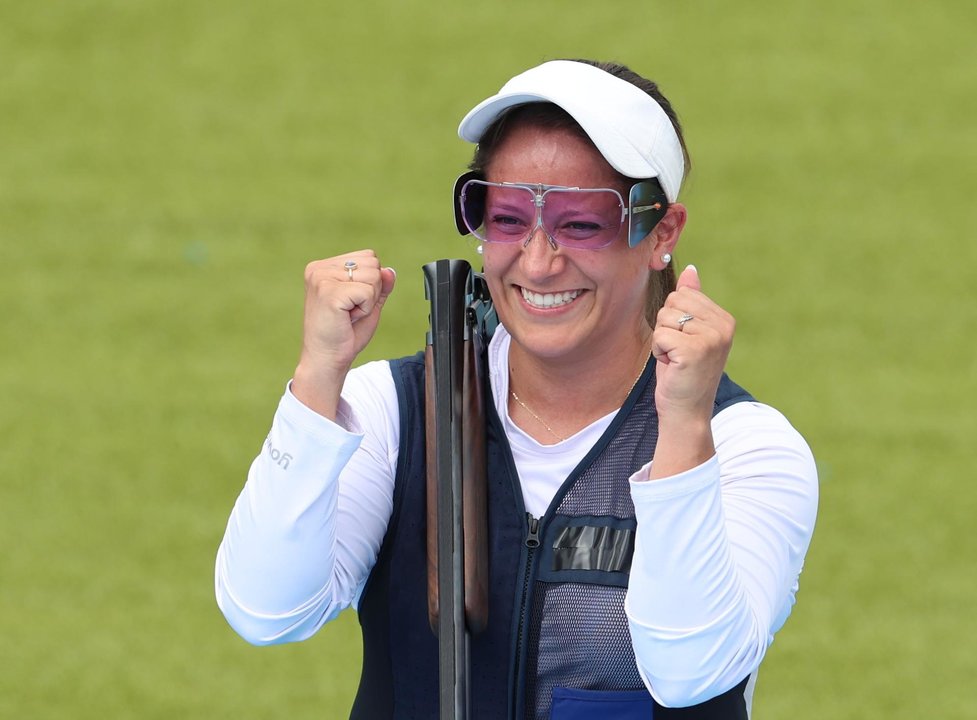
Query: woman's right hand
[[341, 316]]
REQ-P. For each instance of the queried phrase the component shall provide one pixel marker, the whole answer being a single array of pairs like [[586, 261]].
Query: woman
[[648, 519]]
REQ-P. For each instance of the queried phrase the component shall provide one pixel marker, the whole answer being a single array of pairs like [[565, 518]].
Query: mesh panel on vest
[[595, 654], [603, 487], [578, 635]]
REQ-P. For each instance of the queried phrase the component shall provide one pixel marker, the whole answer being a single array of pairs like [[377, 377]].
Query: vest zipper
[[532, 537], [532, 542]]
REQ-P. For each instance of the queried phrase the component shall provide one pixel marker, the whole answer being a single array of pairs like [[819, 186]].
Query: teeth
[[549, 299]]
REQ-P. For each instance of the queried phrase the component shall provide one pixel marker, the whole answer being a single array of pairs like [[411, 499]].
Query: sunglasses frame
[[647, 205]]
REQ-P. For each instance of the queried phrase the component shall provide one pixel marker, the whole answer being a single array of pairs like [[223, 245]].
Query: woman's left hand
[[692, 339]]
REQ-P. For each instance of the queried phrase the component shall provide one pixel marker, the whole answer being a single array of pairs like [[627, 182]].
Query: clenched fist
[[692, 340], [344, 296]]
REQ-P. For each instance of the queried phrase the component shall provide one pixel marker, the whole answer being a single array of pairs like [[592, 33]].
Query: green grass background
[[168, 168]]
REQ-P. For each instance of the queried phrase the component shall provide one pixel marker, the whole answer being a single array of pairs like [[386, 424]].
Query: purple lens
[[582, 218]]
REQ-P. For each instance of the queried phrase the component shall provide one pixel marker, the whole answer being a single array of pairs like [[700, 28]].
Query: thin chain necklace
[[538, 418], [550, 430]]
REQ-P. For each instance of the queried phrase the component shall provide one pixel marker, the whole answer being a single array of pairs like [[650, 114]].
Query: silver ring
[[684, 319], [350, 266]]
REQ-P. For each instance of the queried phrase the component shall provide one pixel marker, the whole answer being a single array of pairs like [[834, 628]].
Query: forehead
[[531, 154]]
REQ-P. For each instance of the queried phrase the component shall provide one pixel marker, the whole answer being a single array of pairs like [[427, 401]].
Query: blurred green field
[[168, 168]]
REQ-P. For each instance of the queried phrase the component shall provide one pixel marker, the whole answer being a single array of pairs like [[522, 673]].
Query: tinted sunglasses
[[585, 218]]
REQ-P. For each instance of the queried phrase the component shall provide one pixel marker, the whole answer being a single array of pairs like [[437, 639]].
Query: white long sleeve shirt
[[728, 538]]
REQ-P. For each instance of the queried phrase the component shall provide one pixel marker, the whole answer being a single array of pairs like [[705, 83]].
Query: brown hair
[[552, 117]]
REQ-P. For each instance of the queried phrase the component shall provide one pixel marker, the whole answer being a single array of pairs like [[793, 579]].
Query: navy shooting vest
[[557, 645]]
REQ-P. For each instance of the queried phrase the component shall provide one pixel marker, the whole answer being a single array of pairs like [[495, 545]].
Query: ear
[[664, 237]]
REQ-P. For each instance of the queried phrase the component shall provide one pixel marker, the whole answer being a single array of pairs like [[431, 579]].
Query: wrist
[[683, 443], [318, 390]]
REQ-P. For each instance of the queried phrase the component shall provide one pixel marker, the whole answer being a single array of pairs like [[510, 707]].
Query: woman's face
[[565, 303]]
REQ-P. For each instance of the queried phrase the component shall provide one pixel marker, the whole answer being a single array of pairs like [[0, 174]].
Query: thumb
[[388, 277], [689, 278]]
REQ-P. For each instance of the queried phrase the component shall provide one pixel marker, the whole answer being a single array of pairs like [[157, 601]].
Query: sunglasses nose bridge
[[539, 201], [536, 231]]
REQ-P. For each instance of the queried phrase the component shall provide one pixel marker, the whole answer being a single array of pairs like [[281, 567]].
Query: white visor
[[628, 127]]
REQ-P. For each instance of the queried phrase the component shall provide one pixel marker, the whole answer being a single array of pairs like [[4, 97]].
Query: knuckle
[[314, 271]]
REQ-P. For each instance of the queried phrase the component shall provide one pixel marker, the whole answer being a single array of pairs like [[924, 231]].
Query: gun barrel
[[448, 285]]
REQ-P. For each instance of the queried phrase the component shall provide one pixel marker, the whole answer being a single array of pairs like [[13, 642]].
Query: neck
[[555, 398]]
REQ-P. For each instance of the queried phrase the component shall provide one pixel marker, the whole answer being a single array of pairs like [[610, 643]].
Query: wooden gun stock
[[457, 523]]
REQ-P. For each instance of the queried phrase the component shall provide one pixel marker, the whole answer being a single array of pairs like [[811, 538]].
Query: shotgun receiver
[[462, 320]]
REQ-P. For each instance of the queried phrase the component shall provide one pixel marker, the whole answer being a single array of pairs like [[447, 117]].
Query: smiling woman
[[648, 518]]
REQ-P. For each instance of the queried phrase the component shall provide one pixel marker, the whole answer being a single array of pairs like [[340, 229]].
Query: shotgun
[[461, 322]]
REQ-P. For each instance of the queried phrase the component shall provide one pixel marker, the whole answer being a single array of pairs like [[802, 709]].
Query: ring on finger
[[350, 266], [684, 319]]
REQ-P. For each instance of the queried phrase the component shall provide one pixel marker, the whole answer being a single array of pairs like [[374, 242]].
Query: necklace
[[538, 418], [550, 430]]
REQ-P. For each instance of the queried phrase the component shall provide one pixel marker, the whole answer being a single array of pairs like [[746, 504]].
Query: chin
[[544, 341]]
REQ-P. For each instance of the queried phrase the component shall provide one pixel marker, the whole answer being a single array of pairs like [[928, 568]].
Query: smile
[[549, 300]]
